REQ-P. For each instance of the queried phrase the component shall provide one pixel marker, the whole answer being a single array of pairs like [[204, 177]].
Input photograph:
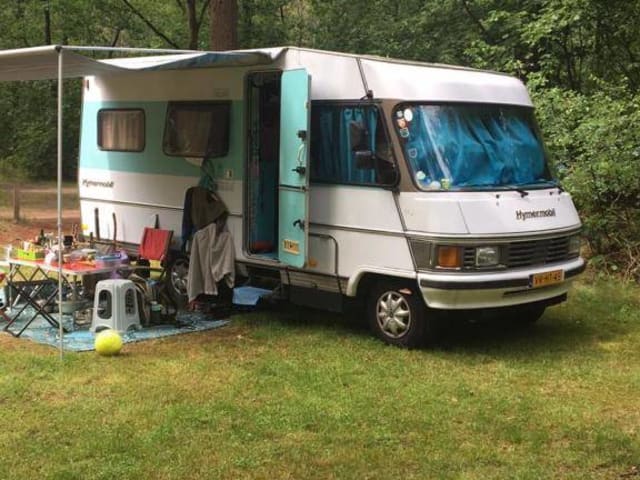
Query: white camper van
[[412, 187]]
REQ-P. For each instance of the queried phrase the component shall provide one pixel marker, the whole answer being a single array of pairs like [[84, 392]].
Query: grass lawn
[[301, 394]]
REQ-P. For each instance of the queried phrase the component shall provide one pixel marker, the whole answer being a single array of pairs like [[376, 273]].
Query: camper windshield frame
[[472, 139]]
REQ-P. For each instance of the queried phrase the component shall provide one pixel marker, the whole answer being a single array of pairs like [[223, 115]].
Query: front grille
[[537, 252], [527, 253], [469, 257]]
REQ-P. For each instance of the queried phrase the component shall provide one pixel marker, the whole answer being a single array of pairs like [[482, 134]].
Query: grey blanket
[[212, 259]]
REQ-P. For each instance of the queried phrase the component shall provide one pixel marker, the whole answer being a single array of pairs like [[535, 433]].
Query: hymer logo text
[[97, 183], [520, 215]]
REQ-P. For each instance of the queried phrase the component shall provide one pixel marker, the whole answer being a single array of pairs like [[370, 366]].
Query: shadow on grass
[[580, 325], [296, 318], [509, 337]]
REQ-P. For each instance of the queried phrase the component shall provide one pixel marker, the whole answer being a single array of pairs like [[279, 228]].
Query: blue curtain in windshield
[[472, 146], [332, 157]]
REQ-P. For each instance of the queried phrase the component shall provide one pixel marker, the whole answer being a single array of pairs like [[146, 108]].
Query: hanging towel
[[212, 259]]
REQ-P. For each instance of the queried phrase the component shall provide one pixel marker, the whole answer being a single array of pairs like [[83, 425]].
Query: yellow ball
[[108, 342]]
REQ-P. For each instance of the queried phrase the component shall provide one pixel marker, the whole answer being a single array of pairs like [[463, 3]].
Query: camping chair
[[154, 247]]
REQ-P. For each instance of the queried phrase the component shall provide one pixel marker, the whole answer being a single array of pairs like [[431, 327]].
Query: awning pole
[[60, 85]]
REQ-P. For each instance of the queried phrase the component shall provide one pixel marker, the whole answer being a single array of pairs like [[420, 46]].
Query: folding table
[[36, 282]]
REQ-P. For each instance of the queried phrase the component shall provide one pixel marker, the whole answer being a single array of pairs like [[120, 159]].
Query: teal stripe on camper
[[152, 160]]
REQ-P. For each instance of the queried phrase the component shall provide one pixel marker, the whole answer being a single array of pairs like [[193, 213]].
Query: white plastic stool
[[115, 306]]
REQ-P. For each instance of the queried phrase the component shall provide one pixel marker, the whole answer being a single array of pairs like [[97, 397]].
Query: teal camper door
[[293, 188]]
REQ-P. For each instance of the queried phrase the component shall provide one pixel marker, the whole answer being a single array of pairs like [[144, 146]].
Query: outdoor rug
[[80, 339]]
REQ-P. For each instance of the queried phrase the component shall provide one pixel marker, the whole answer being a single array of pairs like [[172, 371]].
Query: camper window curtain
[[332, 155], [467, 146], [121, 130], [197, 129]]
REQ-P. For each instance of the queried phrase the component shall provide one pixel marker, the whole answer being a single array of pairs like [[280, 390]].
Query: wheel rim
[[393, 314], [179, 274]]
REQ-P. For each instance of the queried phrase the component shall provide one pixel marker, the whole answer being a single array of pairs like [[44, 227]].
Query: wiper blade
[[523, 189], [523, 193]]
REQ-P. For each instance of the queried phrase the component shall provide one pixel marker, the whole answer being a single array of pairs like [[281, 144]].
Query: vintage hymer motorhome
[[413, 187]]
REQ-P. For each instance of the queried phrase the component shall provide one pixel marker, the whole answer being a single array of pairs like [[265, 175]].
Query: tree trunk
[[47, 23], [224, 25], [194, 26]]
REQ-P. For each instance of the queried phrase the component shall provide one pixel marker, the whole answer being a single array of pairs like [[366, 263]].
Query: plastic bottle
[[156, 311]]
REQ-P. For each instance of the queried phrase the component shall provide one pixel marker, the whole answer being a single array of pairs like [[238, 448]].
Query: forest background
[[580, 60]]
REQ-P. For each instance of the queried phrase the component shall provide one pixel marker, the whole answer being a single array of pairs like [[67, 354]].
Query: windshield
[[472, 146]]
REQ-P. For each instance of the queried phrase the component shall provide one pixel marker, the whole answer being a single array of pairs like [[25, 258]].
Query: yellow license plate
[[547, 278]]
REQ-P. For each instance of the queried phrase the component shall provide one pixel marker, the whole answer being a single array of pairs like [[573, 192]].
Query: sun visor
[[438, 83]]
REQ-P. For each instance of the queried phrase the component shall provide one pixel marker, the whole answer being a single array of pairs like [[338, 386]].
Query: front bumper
[[493, 289]]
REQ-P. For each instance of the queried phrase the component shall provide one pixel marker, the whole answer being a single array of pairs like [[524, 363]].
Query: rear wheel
[[176, 278], [397, 314]]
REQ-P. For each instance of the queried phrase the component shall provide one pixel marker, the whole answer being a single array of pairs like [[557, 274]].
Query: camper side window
[[349, 145], [121, 130], [197, 129]]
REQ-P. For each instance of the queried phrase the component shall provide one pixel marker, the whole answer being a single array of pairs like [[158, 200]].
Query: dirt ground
[[38, 211]]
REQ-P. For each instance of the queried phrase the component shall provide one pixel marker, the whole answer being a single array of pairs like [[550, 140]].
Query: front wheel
[[397, 315]]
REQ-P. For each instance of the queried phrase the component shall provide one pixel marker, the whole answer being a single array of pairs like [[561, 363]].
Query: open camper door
[[293, 188]]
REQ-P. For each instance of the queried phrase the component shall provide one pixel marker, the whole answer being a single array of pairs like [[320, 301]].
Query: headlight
[[574, 245], [431, 256], [487, 256]]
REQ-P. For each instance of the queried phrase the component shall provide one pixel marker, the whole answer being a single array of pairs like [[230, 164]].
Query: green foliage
[[411, 30], [32, 127], [596, 150], [265, 23]]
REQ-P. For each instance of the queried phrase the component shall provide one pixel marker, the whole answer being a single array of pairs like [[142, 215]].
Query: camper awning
[[41, 63]]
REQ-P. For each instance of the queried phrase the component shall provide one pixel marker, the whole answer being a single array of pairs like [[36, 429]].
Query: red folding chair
[[154, 246]]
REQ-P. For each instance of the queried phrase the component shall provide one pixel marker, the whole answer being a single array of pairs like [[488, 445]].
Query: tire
[[397, 315], [176, 278]]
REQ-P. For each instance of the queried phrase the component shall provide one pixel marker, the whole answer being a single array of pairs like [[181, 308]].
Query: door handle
[[299, 223], [300, 170]]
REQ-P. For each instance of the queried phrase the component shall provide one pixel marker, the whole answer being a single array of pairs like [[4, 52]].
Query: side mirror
[[365, 160], [358, 136]]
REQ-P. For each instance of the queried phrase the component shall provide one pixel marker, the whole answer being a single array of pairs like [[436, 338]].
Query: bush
[[594, 144]]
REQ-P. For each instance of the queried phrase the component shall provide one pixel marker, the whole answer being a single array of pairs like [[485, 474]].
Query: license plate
[[547, 278]]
